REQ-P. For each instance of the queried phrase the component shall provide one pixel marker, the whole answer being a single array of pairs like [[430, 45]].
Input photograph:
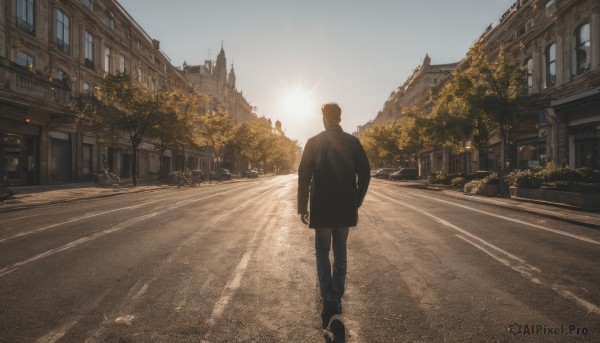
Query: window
[[582, 49], [61, 75], [107, 60], [86, 87], [25, 60], [86, 160], [89, 48], [111, 21], [121, 64], [26, 16], [63, 32], [529, 66], [551, 65], [89, 4]]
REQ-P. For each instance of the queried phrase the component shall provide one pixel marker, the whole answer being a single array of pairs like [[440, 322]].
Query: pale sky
[[311, 52]]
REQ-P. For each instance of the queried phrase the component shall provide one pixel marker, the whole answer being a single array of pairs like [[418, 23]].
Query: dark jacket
[[335, 171]]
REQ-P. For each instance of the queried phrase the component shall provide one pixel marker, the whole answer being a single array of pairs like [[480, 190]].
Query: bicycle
[[181, 179]]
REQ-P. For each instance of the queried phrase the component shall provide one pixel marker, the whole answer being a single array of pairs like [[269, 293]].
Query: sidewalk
[[31, 196]]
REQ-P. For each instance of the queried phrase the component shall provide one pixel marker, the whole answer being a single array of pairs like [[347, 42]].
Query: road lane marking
[[87, 216], [118, 227], [586, 304], [564, 233], [450, 225], [55, 335], [523, 268], [235, 279], [96, 214]]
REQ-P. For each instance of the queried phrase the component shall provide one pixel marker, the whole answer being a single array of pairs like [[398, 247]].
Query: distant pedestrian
[[334, 171]]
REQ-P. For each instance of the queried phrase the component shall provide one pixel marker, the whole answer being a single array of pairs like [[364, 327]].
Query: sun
[[297, 102]]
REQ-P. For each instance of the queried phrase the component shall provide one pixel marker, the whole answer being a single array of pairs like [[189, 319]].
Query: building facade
[[416, 92], [558, 41], [50, 52], [212, 80]]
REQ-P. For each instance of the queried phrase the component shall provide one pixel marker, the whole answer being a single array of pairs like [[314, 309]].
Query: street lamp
[[467, 151]]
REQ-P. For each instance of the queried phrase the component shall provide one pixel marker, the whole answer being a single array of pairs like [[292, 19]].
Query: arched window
[[551, 65], [529, 66], [582, 48]]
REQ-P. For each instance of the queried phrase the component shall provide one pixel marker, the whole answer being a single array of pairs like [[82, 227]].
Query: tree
[[483, 98], [118, 106], [381, 143], [176, 125], [414, 131], [214, 129]]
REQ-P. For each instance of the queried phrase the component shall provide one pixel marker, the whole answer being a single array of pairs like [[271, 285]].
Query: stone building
[[213, 80], [50, 52], [416, 91], [558, 41]]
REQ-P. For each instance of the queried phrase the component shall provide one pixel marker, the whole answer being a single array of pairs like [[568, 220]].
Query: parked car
[[251, 173], [405, 174], [220, 174], [383, 173]]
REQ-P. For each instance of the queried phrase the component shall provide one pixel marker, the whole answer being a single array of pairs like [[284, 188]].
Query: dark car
[[220, 174], [405, 174], [383, 173], [251, 173]]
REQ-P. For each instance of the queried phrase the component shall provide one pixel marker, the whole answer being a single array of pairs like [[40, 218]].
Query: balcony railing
[[32, 86], [63, 46], [25, 26]]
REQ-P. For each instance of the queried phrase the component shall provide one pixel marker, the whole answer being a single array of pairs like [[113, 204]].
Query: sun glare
[[297, 102]]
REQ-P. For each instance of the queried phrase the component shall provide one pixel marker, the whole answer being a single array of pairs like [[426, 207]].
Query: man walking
[[335, 172]]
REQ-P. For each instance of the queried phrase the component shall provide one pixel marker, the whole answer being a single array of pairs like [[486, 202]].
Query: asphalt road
[[231, 262]]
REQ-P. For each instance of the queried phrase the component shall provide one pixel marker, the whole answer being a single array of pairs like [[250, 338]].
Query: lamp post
[[467, 151]]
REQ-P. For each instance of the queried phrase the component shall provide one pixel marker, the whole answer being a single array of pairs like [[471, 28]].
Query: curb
[[18, 207], [538, 212]]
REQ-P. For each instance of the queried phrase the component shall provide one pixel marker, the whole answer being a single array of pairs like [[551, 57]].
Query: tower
[[231, 78]]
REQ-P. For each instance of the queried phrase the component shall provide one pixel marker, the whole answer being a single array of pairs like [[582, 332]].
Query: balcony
[[25, 26], [63, 47], [31, 85]]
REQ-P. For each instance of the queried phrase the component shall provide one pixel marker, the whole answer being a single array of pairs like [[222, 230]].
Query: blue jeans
[[331, 284]]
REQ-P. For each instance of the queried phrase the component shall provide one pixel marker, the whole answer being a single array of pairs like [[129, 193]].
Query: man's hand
[[304, 218]]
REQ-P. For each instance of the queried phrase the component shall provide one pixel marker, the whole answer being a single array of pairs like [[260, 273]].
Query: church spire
[[231, 78], [221, 66]]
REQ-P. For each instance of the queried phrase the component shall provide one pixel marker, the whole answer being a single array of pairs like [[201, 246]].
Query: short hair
[[332, 112]]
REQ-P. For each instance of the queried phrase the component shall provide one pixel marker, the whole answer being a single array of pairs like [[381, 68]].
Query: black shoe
[[338, 329], [326, 314]]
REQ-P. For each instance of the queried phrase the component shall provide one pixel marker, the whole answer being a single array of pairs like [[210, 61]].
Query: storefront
[[19, 156], [530, 154], [586, 146]]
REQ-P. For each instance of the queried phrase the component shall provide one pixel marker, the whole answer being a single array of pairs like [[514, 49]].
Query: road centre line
[[581, 238], [525, 269], [118, 227]]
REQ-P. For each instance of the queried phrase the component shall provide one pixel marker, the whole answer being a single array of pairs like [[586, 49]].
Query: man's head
[[332, 113]]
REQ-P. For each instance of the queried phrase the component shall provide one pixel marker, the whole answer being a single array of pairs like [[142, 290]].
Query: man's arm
[[305, 171], [363, 170]]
